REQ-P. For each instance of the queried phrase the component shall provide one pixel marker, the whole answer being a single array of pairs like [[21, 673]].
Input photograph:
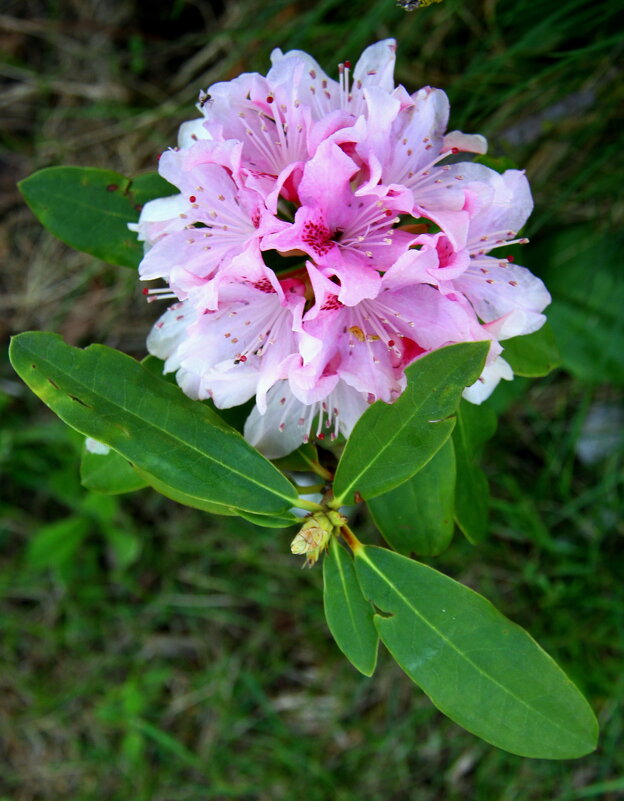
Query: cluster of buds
[[314, 536]]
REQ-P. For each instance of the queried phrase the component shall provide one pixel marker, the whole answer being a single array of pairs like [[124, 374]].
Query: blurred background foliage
[[150, 652]]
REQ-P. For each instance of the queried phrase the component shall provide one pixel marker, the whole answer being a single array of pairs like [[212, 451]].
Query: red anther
[[391, 343], [388, 212], [242, 358], [145, 291], [192, 198], [321, 436], [270, 99], [454, 150], [510, 258], [347, 65]]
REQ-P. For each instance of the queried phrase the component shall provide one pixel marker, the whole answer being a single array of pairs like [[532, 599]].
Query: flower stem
[[309, 490], [350, 538], [325, 474], [310, 505]]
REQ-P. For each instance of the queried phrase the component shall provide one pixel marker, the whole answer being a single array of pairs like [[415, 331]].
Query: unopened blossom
[[327, 233]]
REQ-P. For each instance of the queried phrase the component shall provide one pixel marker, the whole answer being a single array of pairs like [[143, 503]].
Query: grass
[[168, 656]]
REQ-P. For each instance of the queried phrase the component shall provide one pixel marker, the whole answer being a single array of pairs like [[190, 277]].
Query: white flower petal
[[94, 446], [488, 381]]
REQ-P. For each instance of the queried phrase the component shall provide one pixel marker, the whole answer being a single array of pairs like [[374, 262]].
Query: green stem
[[310, 505], [335, 503], [309, 490], [350, 538], [321, 471]]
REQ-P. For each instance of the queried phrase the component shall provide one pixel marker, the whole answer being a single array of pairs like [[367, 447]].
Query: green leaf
[[417, 516], [267, 521], [179, 496], [349, 615], [533, 355], [109, 473], [149, 186], [299, 461], [475, 426], [54, 544], [270, 521], [107, 395], [90, 208], [392, 442], [234, 416], [483, 671]]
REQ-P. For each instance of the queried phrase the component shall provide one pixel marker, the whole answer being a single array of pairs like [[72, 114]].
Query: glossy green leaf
[[392, 442], [349, 615], [181, 497], [483, 671], [112, 474], [300, 460], [475, 426], [107, 395], [234, 416], [270, 521], [533, 355], [267, 521], [90, 208], [156, 367], [417, 516], [109, 473]]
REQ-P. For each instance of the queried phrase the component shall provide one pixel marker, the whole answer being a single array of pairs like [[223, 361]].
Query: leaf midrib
[[398, 431], [461, 654], [168, 434]]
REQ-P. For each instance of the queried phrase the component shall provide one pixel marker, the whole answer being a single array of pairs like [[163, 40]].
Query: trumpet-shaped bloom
[[326, 234]]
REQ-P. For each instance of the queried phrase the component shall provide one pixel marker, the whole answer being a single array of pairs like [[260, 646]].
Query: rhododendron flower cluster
[[326, 234]]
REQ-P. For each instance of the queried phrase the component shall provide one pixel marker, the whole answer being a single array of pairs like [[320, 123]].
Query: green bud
[[336, 519], [315, 533]]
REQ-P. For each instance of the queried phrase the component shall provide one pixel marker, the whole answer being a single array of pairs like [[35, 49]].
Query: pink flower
[[349, 236], [237, 351], [217, 233], [296, 250], [368, 345]]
